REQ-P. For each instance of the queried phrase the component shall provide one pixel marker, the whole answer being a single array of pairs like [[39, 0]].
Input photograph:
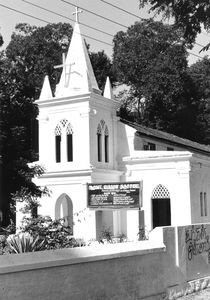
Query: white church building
[[81, 140]]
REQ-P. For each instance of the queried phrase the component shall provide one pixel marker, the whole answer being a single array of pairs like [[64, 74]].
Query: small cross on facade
[[76, 13], [64, 65]]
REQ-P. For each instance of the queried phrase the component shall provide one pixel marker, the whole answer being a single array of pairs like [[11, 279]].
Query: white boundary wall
[[173, 262]]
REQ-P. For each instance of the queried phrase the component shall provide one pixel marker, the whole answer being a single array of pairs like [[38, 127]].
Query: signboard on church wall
[[115, 195]]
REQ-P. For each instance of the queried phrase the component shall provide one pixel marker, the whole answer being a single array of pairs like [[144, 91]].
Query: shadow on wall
[[125, 138]]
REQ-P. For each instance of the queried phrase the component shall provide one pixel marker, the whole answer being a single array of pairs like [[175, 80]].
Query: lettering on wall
[[197, 240]]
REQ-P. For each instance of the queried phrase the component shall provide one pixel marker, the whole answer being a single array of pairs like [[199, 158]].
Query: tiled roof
[[168, 138]]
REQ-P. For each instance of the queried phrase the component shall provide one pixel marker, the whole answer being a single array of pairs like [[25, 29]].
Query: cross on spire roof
[[76, 13], [77, 75], [66, 72]]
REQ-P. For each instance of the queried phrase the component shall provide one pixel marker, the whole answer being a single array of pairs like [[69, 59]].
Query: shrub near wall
[[41, 233]]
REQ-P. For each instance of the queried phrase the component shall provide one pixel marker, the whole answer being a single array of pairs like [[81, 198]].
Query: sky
[[9, 18]]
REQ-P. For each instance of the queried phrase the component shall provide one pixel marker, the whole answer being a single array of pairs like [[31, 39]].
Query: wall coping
[[51, 258]]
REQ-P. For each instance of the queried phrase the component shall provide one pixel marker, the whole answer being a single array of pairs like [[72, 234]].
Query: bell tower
[[77, 125]]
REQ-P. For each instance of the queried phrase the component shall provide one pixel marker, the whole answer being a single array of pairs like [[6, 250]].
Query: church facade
[[81, 140]]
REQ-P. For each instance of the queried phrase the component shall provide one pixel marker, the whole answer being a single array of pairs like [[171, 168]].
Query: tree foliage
[[1, 40], [190, 16], [31, 53], [34, 52], [17, 113], [199, 73], [152, 60], [102, 67]]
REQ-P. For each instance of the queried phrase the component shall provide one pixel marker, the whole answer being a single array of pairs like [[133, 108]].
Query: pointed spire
[[108, 92], [46, 92], [77, 76]]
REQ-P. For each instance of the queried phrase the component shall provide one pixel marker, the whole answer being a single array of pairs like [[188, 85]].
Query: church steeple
[[77, 76]]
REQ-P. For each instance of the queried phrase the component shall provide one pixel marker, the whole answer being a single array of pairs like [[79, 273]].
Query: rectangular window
[[150, 146], [58, 148], [99, 147], [205, 205], [170, 149], [106, 144], [69, 147], [201, 203]]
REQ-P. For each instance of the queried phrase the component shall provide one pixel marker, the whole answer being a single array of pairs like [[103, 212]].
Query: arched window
[[99, 142], [161, 206], [103, 141], [160, 192], [106, 144], [63, 141], [69, 142], [58, 144], [64, 210]]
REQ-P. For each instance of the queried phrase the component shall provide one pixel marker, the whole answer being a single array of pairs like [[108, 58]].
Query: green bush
[[106, 235], [143, 234], [41, 233], [24, 242], [53, 233], [3, 244]]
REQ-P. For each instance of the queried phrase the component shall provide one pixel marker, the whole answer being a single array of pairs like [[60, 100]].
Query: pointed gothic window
[[103, 142], [106, 144], [63, 142], [99, 142], [58, 144], [69, 142], [64, 210]]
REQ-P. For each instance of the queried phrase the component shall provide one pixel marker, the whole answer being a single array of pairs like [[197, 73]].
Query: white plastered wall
[[103, 109], [199, 182], [77, 115], [174, 175], [83, 217]]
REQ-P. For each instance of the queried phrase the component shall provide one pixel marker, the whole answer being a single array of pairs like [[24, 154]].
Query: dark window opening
[[35, 136], [161, 212], [106, 144], [149, 146], [58, 148], [69, 147], [205, 205], [201, 203], [99, 147], [170, 149]]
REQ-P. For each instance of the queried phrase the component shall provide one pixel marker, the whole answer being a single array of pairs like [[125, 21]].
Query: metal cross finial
[[77, 12]]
